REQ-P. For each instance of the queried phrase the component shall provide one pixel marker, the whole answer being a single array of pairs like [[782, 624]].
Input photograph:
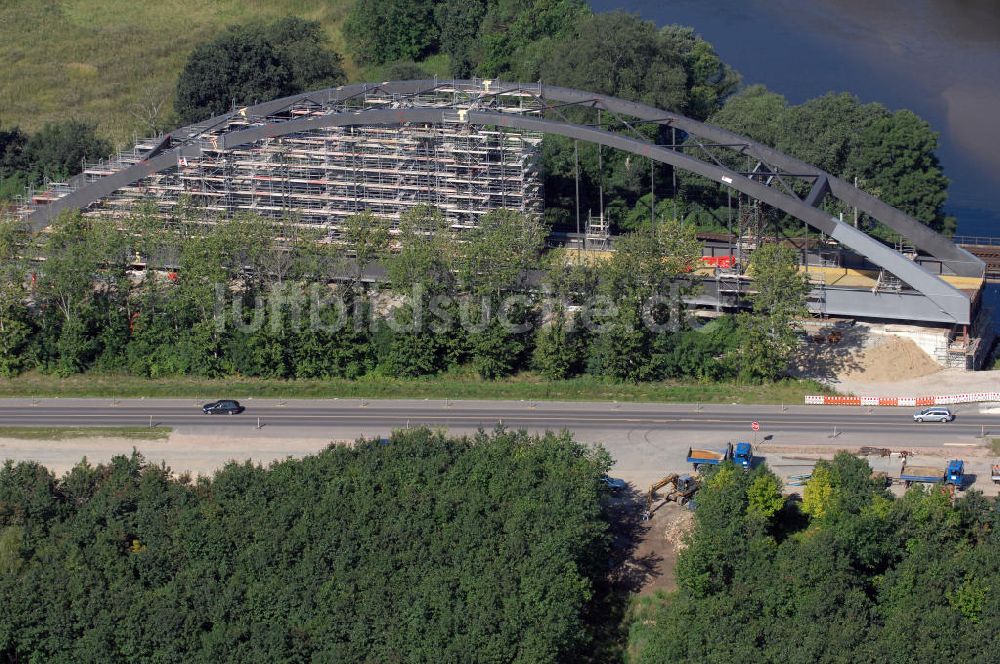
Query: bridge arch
[[765, 183]]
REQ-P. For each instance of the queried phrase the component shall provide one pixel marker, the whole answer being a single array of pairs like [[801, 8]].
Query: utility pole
[[855, 207], [576, 171]]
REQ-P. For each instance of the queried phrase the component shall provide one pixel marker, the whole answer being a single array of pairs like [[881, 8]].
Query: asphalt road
[[794, 424], [646, 440]]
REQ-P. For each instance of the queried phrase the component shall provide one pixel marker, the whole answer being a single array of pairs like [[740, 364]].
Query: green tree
[[515, 35], [890, 155], [367, 237], [13, 142], [769, 335], [59, 150], [895, 155], [73, 255], [427, 253], [818, 495], [255, 63], [557, 353], [304, 48], [236, 69], [492, 546], [404, 70], [15, 318], [764, 497], [381, 31], [643, 284], [458, 23], [621, 55], [497, 253]]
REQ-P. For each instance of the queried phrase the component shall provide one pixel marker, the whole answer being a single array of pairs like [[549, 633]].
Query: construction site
[[470, 147], [323, 176]]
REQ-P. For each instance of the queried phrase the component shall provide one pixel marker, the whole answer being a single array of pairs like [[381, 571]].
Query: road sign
[[755, 426]]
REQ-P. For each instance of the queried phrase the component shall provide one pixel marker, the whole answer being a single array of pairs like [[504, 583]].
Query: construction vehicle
[[699, 457], [953, 475], [742, 455], [684, 486], [995, 473], [920, 474]]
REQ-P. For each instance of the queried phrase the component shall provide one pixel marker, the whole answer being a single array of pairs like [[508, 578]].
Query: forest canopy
[[417, 548], [848, 574]]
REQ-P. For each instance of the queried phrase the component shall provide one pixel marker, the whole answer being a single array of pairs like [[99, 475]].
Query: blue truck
[[955, 475], [952, 475], [741, 455]]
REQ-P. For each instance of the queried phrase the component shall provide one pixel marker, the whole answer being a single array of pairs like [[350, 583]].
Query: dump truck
[[741, 454], [952, 475], [921, 474], [697, 457], [995, 473]]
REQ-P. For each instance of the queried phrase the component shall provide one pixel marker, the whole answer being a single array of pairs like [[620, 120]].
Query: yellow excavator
[[684, 486]]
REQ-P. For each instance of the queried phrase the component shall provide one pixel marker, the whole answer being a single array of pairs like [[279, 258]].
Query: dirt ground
[[853, 360], [647, 550], [664, 540], [890, 359], [199, 454]]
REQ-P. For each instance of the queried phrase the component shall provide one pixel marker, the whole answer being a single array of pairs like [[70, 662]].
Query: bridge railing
[[977, 240]]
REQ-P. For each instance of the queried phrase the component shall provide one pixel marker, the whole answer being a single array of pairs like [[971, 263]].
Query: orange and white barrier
[[937, 400]]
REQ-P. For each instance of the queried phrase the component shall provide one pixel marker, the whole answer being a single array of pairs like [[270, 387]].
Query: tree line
[[423, 547], [846, 573], [413, 548], [54, 153], [156, 297]]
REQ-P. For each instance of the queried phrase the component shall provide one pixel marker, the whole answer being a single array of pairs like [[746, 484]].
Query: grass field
[[443, 387], [108, 61], [66, 433]]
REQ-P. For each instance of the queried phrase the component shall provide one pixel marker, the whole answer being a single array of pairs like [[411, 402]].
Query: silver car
[[933, 414]]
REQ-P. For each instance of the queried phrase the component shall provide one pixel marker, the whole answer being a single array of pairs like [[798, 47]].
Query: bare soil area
[[890, 359], [182, 452], [650, 553], [853, 360]]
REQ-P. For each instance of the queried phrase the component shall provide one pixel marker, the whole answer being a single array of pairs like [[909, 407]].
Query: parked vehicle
[[684, 488], [699, 457], [223, 407], [743, 455], [613, 483], [921, 474], [995, 473], [934, 414], [955, 474]]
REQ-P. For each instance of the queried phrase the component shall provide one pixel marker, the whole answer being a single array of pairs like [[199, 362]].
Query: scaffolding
[[598, 237], [322, 176]]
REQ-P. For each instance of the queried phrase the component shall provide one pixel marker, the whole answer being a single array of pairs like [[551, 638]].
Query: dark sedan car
[[224, 407]]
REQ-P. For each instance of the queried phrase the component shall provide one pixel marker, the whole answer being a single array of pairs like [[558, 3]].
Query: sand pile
[[892, 358]]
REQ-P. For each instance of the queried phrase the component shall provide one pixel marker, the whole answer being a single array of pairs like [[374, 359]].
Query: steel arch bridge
[[772, 179]]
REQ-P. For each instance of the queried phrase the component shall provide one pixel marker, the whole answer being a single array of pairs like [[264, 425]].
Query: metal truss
[[772, 177]]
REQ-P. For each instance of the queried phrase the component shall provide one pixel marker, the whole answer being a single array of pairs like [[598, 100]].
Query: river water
[[939, 58]]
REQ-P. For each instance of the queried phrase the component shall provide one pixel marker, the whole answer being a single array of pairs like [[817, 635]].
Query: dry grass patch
[[67, 433]]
